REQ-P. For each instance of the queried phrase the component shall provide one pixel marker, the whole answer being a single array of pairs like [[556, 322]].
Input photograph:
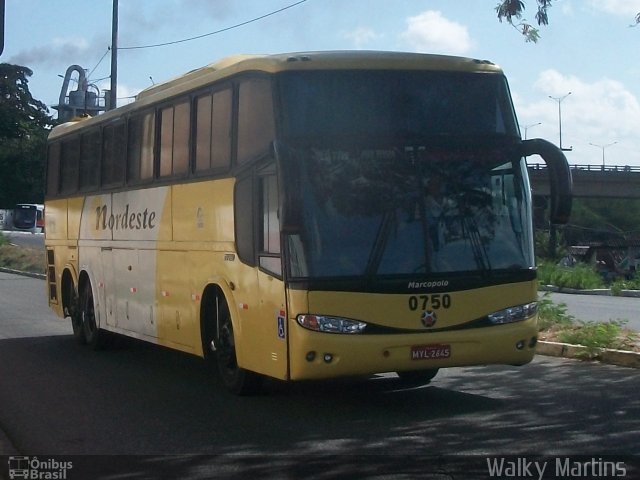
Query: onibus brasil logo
[[36, 469]]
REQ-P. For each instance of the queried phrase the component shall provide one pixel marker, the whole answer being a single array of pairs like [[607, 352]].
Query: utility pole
[[114, 57], [2, 6]]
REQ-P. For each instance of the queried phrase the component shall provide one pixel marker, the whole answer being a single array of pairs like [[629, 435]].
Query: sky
[[589, 49]]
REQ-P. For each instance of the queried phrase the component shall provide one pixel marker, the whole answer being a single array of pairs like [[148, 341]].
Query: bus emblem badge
[[429, 318]]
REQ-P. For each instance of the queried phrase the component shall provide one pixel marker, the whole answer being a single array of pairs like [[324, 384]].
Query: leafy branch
[[511, 11]]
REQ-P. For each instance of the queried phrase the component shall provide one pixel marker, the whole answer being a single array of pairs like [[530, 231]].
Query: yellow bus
[[305, 216]]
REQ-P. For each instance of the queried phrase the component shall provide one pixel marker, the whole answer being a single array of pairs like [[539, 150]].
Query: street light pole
[[527, 127], [552, 227], [602, 147], [559, 100]]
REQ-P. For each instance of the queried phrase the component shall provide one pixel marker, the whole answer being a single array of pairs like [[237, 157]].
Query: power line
[[99, 62], [217, 31]]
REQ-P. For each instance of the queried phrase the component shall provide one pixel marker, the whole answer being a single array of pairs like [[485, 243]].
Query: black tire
[[73, 310], [416, 378], [235, 379], [93, 336]]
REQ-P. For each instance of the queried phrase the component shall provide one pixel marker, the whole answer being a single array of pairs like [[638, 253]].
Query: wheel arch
[[209, 315], [69, 289]]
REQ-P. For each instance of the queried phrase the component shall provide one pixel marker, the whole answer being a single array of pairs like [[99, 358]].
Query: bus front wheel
[[235, 379], [415, 378]]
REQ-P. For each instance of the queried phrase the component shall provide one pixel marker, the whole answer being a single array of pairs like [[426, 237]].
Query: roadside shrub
[[552, 315], [545, 273], [596, 336], [580, 277], [619, 285]]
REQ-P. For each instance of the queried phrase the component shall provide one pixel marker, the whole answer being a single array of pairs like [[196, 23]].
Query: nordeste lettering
[[129, 219]]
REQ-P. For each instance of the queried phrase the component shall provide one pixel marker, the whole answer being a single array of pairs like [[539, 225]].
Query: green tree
[[512, 10], [24, 126]]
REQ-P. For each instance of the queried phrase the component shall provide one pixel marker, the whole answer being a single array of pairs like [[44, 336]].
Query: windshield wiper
[[380, 243], [477, 246]]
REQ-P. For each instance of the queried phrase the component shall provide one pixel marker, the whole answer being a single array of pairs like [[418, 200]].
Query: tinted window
[[399, 104], [90, 160], [174, 139], [140, 147], [243, 203], [270, 225], [255, 119], [113, 158], [70, 165], [53, 165], [213, 130]]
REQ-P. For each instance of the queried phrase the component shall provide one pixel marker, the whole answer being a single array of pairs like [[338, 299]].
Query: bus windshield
[[404, 173], [25, 216], [407, 211], [394, 104]]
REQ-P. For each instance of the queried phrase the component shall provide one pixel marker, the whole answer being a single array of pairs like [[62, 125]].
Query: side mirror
[[559, 177]]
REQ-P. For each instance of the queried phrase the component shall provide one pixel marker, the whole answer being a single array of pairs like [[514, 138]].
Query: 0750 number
[[430, 302]]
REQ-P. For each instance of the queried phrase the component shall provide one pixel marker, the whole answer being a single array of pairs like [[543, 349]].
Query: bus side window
[[90, 159], [269, 239], [140, 147], [113, 154], [70, 164], [256, 126], [243, 210], [174, 139], [213, 130], [53, 168]]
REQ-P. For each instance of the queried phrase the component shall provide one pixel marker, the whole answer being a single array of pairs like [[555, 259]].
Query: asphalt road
[[599, 308], [25, 239], [58, 398]]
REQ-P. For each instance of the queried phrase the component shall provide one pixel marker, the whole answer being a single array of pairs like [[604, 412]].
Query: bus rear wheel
[[74, 310], [235, 379], [93, 336], [416, 378]]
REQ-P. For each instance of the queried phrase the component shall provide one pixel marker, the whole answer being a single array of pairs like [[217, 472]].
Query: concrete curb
[[621, 358], [596, 291], [41, 276]]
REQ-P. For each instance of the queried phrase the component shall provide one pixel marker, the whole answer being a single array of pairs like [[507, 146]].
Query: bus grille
[[51, 276]]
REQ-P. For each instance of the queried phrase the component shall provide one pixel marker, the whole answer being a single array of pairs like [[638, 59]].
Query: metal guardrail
[[591, 168]]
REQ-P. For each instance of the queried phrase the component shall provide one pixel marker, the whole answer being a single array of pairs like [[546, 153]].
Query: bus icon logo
[[18, 467]]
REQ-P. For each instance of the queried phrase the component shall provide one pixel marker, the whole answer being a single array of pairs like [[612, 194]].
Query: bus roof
[[327, 60]]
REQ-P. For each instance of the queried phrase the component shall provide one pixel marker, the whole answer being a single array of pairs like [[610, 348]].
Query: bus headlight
[[324, 323], [513, 314]]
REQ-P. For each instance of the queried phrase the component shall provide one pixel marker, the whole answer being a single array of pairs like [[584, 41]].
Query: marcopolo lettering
[[435, 283], [129, 219]]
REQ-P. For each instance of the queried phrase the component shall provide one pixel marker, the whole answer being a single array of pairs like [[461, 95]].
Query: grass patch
[[25, 259], [556, 325], [596, 336], [580, 276]]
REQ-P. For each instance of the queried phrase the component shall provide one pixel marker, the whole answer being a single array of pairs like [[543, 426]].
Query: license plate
[[430, 352]]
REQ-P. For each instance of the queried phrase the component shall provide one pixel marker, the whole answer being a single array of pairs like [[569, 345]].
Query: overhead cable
[[213, 33]]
